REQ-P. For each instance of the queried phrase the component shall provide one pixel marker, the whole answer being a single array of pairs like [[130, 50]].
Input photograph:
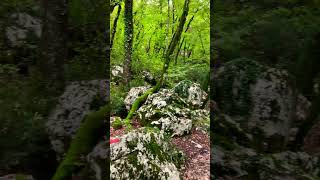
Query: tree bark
[[53, 44], [128, 18], [114, 28], [176, 38]]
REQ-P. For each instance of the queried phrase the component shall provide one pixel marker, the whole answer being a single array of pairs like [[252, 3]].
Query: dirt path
[[196, 146]]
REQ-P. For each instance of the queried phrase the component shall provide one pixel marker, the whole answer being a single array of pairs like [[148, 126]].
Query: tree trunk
[[53, 44], [128, 18], [114, 28], [178, 51], [176, 38]]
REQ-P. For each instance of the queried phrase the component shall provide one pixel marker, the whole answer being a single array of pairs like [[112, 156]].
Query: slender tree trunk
[[128, 16], [114, 28], [175, 39], [53, 44], [177, 54]]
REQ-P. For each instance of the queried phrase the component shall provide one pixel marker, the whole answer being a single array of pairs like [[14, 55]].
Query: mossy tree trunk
[[53, 44], [128, 20]]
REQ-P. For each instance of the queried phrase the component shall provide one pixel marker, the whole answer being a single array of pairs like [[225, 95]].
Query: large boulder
[[145, 154], [174, 110], [78, 99], [262, 101]]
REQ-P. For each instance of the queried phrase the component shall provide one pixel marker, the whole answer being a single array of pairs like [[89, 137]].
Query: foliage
[[117, 100]]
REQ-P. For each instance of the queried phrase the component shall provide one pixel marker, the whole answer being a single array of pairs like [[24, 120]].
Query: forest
[[159, 89]]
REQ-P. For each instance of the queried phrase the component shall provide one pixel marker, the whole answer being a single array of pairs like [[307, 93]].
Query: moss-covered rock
[[145, 154], [175, 110], [116, 122], [262, 101]]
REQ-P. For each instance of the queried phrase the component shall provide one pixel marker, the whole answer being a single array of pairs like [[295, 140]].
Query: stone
[[97, 159], [263, 101], [133, 94], [174, 110], [78, 99], [23, 25], [144, 154]]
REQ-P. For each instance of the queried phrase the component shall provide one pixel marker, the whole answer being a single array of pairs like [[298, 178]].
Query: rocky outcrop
[[174, 110], [262, 101], [78, 99], [145, 154], [24, 24]]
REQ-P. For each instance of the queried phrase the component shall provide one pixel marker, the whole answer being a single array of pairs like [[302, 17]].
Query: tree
[[53, 44], [128, 16]]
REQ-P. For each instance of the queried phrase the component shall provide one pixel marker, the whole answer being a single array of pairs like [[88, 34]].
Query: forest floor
[[196, 147]]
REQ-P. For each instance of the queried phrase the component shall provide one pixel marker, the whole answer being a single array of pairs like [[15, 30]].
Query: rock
[[23, 25], [133, 94], [192, 92], [97, 160], [116, 73], [145, 154], [17, 177], [243, 163], [262, 101], [173, 110], [78, 99], [148, 77]]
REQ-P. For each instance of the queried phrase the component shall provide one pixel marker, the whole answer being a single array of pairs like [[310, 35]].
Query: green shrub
[[117, 123], [117, 95]]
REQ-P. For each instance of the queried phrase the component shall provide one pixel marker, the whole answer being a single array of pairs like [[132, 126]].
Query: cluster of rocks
[[172, 110]]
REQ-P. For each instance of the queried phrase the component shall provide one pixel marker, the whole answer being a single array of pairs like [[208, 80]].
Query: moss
[[85, 138], [117, 123], [182, 88], [240, 103], [21, 177], [138, 102], [132, 144]]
